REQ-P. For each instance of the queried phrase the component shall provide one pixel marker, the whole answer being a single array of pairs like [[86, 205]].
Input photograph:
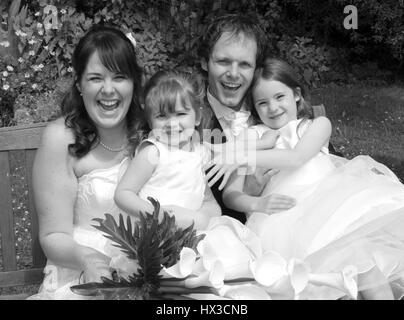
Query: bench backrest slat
[[17, 278], [38, 256], [27, 139], [6, 215], [21, 137]]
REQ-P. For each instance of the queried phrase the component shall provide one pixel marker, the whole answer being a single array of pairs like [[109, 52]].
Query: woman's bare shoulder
[[56, 132]]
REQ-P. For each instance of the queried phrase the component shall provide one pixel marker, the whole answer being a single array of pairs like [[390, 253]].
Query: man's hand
[[273, 203], [218, 171]]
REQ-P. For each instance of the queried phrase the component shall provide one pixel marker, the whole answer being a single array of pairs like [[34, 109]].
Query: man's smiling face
[[231, 68]]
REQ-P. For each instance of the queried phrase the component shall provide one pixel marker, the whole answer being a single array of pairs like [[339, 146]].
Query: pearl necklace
[[121, 148]]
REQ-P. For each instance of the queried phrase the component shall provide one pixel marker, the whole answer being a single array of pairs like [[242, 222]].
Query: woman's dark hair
[[237, 24], [164, 87], [279, 70], [118, 55]]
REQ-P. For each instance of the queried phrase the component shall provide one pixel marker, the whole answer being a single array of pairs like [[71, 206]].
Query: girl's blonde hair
[[279, 70], [164, 88]]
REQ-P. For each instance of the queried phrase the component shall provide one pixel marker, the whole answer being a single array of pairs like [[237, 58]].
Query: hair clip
[[131, 38]]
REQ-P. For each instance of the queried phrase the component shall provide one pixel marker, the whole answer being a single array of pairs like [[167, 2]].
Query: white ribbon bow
[[237, 121]]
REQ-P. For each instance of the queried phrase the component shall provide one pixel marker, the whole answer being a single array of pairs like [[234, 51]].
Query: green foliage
[[380, 32], [309, 34], [385, 20], [28, 71], [152, 49], [309, 60]]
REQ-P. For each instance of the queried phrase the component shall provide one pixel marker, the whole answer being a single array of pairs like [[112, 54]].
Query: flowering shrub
[[45, 40], [29, 71], [37, 40]]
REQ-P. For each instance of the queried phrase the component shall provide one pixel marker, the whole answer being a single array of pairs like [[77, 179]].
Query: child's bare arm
[[138, 173]]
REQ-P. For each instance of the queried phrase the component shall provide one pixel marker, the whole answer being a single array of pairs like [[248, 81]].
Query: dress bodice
[[95, 195], [178, 178], [296, 182]]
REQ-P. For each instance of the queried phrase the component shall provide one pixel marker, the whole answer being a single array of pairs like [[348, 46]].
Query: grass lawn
[[366, 120]]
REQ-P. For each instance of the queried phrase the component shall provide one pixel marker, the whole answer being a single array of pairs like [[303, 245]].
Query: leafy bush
[[46, 40], [41, 35], [309, 60]]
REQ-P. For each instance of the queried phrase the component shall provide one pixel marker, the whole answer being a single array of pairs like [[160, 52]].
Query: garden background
[[356, 73]]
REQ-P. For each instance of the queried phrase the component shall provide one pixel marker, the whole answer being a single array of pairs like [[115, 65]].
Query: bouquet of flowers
[[159, 260], [151, 247]]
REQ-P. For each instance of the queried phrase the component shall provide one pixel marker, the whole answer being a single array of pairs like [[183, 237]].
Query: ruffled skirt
[[353, 217]]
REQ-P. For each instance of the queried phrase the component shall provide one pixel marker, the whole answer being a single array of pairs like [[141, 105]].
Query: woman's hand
[[96, 265], [273, 203]]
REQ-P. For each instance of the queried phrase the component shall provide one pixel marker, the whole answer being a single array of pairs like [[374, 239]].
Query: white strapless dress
[[95, 197]]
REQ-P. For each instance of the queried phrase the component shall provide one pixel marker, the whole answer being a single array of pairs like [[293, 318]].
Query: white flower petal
[[349, 275], [131, 38], [124, 266], [246, 291], [230, 242], [184, 266], [245, 235], [211, 278], [299, 274], [333, 280], [282, 289], [269, 268], [216, 275]]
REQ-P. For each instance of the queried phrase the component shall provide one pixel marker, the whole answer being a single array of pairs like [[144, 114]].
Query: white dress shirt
[[232, 122]]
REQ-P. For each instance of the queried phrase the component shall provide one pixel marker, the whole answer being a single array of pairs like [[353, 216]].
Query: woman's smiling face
[[107, 95], [275, 102]]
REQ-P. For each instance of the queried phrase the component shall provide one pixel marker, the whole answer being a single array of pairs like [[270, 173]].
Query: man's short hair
[[236, 24]]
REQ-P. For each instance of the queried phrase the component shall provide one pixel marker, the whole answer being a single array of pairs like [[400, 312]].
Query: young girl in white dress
[[168, 166], [349, 214]]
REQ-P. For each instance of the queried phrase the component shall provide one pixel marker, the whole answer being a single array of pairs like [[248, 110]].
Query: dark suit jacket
[[209, 121]]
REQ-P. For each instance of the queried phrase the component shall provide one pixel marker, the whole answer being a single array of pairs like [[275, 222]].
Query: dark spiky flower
[[151, 243]]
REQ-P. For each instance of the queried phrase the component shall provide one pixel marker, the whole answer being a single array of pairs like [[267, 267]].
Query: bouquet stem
[[184, 290]]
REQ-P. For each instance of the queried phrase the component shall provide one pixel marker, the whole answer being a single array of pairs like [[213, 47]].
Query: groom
[[231, 48]]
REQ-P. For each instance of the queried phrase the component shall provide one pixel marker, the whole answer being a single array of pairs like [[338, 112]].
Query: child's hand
[[255, 183], [269, 138], [273, 203], [96, 265]]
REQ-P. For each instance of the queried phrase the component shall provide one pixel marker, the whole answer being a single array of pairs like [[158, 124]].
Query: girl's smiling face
[[107, 95], [176, 127], [275, 102]]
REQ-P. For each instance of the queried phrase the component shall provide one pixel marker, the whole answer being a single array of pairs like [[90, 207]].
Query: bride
[[82, 156]]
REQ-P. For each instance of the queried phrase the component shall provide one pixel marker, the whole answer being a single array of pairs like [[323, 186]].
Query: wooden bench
[[25, 139], [22, 139]]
